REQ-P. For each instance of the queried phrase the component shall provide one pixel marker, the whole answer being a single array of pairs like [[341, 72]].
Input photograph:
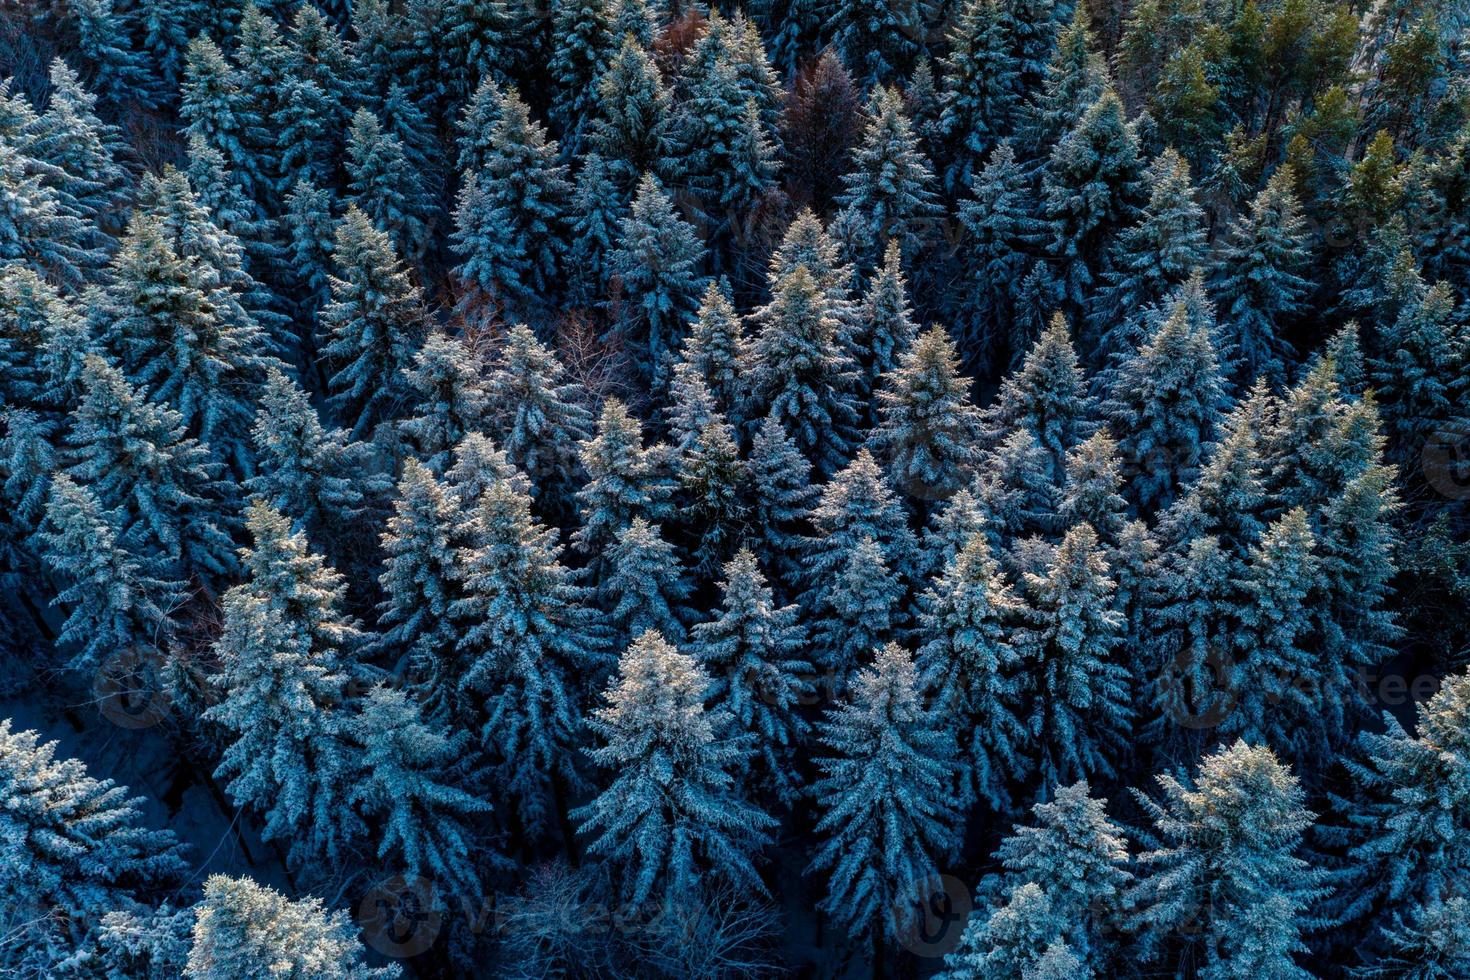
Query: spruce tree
[[674, 814], [115, 599], [1091, 493], [1080, 706], [712, 481], [992, 253], [782, 495], [928, 427], [423, 817], [304, 469], [657, 263], [623, 483], [286, 659], [754, 652], [70, 136], [119, 71], [583, 41], [634, 126], [855, 609], [888, 812], [243, 929], [1014, 490], [885, 325], [857, 503], [385, 189], [36, 232], [448, 397], [529, 637], [76, 845], [712, 349], [966, 621], [1047, 397], [982, 89], [592, 227], [536, 415], [1073, 79], [644, 586], [133, 454], [796, 370], [879, 39], [372, 323], [889, 191], [1259, 279], [1222, 861], [1022, 938], [509, 222]]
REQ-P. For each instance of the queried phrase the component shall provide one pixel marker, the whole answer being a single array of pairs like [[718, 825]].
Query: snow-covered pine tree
[[424, 551], [304, 469], [385, 188], [675, 814], [889, 812], [1090, 190], [890, 190], [1420, 374], [1221, 882], [163, 485], [479, 464], [464, 43], [992, 256], [782, 496], [536, 415], [966, 621], [713, 491], [43, 339], [1073, 79], [1259, 279], [982, 90], [855, 610], [1014, 491], [884, 323], [530, 635], [644, 587], [657, 264], [1164, 403], [796, 370], [879, 39], [1079, 858], [633, 129], [1091, 493], [115, 599], [583, 41], [1022, 938], [285, 661], [448, 397], [372, 323], [712, 349], [404, 789], [1079, 711], [311, 232], [214, 107], [242, 929], [118, 72], [76, 847], [70, 135], [35, 231], [623, 483], [859, 503], [511, 212], [592, 227], [1150, 259], [1047, 397], [927, 427], [754, 652]]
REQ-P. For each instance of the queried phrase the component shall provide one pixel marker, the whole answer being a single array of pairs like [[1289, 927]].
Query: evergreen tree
[[511, 212], [1259, 282], [215, 109], [592, 226], [1159, 253], [424, 550], [1090, 192], [583, 41], [36, 232], [1073, 80], [712, 491], [1047, 397], [885, 325], [992, 255], [982, 93], [311, 234], [623, 483], [243, 929], [674, 813], [117, 600], [162, 485], [75, 845], [754, 652], [372, 323], [310, 472], [286, 659], [70, 136], [1023, 938], [796, 371], [384, 188], [965, 625], [1165, 403], [1080, 705], [657, 262], [712, 349], [449, 398], [1420, 374], [537, 416], [888, 811], [634, 127], [856, 609], [529, 635], [468, 42], [1090, 495], [880, 39], [859, 503], [889, 192], [119, 73], [404, 762], [43, 340], [644, 586], [782, 495], [1223, 855], [1014, 490], [928, 426]]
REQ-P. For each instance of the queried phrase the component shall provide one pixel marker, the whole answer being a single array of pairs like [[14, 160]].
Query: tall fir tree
[[889, 192], [537, 415]]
